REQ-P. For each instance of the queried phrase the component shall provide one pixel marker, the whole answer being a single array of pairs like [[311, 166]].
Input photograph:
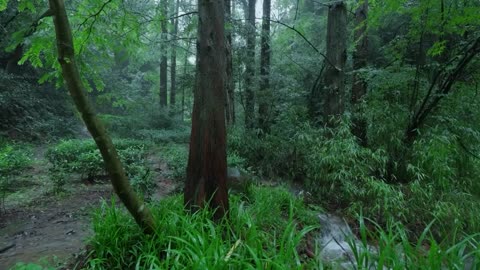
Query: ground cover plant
[[254, 237], [81, 156], [13, 159]]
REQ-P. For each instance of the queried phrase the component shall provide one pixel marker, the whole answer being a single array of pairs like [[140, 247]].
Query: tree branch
[[308, 42]]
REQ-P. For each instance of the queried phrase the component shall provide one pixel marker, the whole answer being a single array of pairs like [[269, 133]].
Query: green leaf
[[3, 4], [437, 48], [26, 5]]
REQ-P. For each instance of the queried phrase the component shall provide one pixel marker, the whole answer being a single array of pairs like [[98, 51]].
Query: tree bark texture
[[70, 73], [334, 79], [230, 96], [359, 85], [250, 68], [264, 97], [205, 185], [163, 57]]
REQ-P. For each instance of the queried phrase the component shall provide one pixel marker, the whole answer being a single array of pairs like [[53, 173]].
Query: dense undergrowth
[[14, 157], [81, 156], [34, 112], [266, 230], [441, 182]]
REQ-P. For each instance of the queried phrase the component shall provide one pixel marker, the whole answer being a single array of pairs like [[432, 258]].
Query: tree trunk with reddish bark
[[206, 185]]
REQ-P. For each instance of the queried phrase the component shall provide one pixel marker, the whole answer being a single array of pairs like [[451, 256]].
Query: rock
[[335, 242], [237, 181]]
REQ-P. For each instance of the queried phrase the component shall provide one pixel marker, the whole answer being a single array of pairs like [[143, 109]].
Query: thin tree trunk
[[230, 97], [185, 74], [334, 84], [264, 98], [359, 86], [250, 67], [205, 185], [173, 59], [163, 57], [66, 58]]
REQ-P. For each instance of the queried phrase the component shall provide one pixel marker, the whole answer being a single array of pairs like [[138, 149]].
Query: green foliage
[[14, 158], [176, 156], [33, 112], [58, 176], [396, 251], [83, 157], [193, 241], [30, 266], [180, 135], [3, 4], [342, 174]]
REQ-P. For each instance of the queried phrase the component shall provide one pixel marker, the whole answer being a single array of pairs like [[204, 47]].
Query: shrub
[[14, 158], [165, 136], [343, 175], [83, 157]]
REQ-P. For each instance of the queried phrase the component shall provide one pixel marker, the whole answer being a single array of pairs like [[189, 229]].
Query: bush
[[345, 176], [83, 157], [193, 241], [165, 136], [14, 158]]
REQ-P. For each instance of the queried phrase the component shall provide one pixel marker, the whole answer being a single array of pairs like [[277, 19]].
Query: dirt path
[[53, 228]]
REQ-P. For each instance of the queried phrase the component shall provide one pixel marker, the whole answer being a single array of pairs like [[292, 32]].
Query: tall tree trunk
[[207, 161], [230, 97], [264, 97], [359, 86], [66, 58], [173, 59], [250, 67], [184, 74], [334, 80], [163, 57]]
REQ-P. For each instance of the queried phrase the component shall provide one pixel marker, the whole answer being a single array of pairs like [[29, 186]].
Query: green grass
[[396, 250], [264, 231]]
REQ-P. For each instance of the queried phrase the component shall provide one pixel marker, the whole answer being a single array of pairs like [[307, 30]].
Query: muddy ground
[[39, 226]]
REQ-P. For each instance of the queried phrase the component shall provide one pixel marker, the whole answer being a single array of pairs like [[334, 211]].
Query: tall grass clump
[[396, 250], [252, 237]]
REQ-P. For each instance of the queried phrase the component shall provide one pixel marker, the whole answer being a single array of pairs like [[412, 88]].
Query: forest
[[239, 134]]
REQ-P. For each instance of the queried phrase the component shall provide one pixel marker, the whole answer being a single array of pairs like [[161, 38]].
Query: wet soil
[[49, 228]]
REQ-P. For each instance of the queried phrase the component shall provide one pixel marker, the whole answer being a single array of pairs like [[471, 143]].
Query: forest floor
[[39, 226]]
